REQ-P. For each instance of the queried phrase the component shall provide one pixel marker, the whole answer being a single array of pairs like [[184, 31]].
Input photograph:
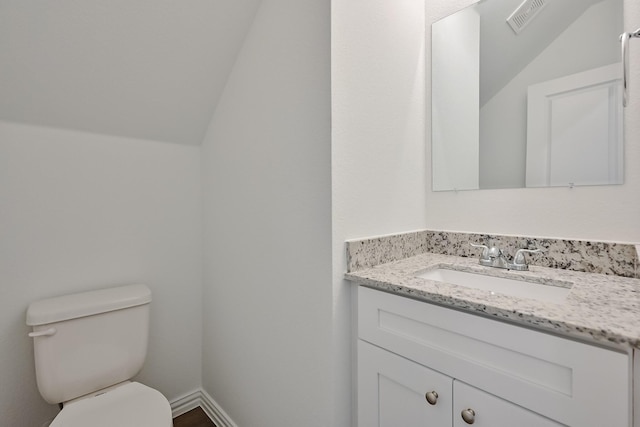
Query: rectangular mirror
[[527, 94]]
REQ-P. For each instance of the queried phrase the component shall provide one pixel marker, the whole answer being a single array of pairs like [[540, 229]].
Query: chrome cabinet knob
[[469, 416], [432, 397]]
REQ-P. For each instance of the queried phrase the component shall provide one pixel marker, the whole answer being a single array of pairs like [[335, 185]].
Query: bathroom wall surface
[[267, 189], [82, 211], [378, 149]]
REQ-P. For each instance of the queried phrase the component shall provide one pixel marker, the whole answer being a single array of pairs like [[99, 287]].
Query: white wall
[[600, 213], [378, 113], [82, 211], [267, 188], [378, 148]]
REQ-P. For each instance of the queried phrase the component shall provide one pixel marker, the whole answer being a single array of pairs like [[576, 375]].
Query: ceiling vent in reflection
[[525, 13]]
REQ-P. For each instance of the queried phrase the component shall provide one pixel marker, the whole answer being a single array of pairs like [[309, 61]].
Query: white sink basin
[[500, 285]]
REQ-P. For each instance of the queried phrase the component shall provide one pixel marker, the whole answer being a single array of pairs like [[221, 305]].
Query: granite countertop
[[599, 308]]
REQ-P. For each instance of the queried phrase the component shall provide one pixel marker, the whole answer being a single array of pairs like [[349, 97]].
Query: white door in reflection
[[574, 130]]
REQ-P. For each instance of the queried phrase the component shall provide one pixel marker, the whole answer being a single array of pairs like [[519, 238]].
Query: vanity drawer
[[574, 383]]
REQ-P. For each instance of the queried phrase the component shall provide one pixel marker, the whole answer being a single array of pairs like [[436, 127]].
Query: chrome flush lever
[[624, 39]]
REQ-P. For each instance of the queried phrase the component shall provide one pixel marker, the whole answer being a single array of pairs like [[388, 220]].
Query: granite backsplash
[[578, 255]]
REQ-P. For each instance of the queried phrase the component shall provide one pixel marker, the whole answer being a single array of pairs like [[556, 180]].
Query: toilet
[[87, 347]]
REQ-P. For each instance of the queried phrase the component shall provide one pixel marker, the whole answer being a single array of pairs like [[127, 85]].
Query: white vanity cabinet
[[502, 375], [394, 391]]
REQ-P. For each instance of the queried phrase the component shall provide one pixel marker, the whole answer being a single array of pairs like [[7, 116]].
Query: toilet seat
[[130, 405]]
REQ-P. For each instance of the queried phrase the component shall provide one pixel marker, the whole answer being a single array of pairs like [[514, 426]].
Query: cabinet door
[[392, 391], [486, 410]]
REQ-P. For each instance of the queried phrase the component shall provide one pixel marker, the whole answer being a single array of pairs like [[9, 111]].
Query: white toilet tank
[[89, 341]]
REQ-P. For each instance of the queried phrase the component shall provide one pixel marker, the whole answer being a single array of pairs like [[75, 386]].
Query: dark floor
[[194, 418]]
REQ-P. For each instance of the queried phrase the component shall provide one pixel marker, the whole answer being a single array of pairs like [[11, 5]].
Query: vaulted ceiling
[[150, 69]]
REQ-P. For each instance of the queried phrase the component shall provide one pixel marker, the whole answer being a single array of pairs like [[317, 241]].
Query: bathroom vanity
[[437, 353]]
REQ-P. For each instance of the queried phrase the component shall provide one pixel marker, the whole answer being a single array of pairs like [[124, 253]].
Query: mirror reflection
[[527, 94]]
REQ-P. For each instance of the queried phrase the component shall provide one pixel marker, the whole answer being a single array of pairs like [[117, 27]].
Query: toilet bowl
[[87, 347]]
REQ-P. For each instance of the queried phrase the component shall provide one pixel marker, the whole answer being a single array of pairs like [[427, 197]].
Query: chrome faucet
[[495, 257]]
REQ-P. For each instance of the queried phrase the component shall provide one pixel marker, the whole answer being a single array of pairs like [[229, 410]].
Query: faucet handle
[[485, 251], [518, 258], [491, 256]]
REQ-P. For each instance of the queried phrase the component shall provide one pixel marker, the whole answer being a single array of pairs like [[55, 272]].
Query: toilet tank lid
[[83, 304]]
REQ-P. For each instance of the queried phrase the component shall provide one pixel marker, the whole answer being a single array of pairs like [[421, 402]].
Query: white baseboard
[[186, 403], [215, 411], [202, 399]]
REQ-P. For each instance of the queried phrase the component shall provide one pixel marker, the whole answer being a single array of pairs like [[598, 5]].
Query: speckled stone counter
[[610, 258], [601, 308]]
